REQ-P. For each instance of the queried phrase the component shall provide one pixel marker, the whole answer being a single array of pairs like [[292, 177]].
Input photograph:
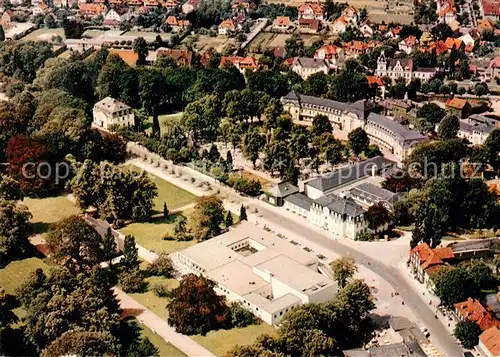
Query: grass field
[[15, 273], [204, 42], [221, 341], [164, 120], [260, 43], [174, 196], [165, 348], [150, 234], [44, 34], [49, 210], [153, 302]]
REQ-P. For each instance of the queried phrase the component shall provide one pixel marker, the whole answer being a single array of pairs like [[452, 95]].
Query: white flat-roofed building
[[267, 274], [111, 112]]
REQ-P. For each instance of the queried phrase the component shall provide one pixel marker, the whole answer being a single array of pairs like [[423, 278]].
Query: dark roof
[[426, 69], [405, 63], [350, 173], [372, 193], [400, 132], [292, 95], [283, 189], [340, 205], [300, 200], [394, 350]]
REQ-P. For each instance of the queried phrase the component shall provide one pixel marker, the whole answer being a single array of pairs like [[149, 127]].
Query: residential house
[[189, 6], [282, 23], [439, 47], [332, 54], [183, 58], [351, 15], [453, 43], [493, 70], [397, 108], [467, 39], [401, 349], [367, 194], [340, 25], [377, 83], [151, 4], [408, 44], [92, 10], [367, 29], [473, 310], [476, 128], [353, 49], [458, 107], [448, 15], [276, 193], [60, 3], [7, 18], [490, 9], [242, 63], [177, 24], [309, 25], [311, 11], [110, 112], [474, 249], [227, 27], [394, 32], [279, 52], [116, 16], [305, 66], [41, 9], [489, 342], [424, 260]]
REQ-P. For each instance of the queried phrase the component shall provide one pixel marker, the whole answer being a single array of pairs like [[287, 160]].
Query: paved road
[[161, 327], [393, 276]]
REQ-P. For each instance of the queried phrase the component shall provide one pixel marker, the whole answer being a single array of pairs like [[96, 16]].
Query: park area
[[45, 34], [49, 210], [165, 120], [204, 42]]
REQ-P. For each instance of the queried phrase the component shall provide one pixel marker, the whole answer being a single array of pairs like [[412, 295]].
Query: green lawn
[[150, 234], [16, 272], [153, 302], [221, 341], [174, 196], [49, 210], [164, 120], [166, 349]]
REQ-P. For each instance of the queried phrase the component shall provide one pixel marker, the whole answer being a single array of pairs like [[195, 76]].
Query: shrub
[[365, 237], [242, 185], [160, 290], [132, 281], [240, 317], [161, 266]]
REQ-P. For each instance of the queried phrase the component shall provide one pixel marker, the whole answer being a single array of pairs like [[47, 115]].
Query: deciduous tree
[[468, 333], [358, 141], [207, 217]]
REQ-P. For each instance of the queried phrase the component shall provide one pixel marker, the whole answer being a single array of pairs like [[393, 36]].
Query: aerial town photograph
[[244, 178]]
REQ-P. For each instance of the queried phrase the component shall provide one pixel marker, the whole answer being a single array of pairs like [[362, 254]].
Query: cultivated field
[[262, 41], [204, 42], [278, 40], [44, 34]]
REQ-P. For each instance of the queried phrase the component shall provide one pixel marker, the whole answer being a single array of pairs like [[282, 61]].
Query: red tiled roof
[[228, 24], [374, 80], [491, 340], [316, 8], [328, 49], [431, 259], [282, 21], [473, 310], [453, 42], [310, 23], [457, 103], [242, 62], [491, 7]]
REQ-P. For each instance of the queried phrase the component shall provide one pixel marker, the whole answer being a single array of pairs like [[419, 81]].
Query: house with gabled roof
[[424, 260], [408, 44], [110, 112], [282, 23], [227, 27], [472, 310], [340, 25], [309, 25], [311, 11], [489, 342], [241, 63], [458, 107]]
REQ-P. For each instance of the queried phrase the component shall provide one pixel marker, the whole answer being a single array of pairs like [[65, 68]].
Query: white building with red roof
[[424, 260], [311, 11], [490, 9]]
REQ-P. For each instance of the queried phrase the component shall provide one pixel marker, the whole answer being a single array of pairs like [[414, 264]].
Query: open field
[[165, 348], [148, 35], [16, 272], [262, 41], [49, 210], [402, 19], [150, 234], [204, 42], [44, 34], [93, 33], [164, 120], [309, 39], [221, 341], [278, 40], [174, 196], [153, 302]]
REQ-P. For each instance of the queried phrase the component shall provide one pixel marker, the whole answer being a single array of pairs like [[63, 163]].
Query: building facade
[[111, 112]]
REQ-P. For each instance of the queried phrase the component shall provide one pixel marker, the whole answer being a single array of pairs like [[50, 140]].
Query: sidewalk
[[161, 327]]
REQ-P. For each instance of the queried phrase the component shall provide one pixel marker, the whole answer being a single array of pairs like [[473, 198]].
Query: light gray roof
[[401, 133], [350, 173], [309, 62], [300, 200], [321, 102], [111, 105], [394, 350], [372, 192], [283, 189], [479, 123], [340, 205]]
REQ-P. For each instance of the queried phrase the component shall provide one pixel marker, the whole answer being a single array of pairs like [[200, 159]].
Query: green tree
[[320, 125], [73, 29], [358, 141], [496, 263], [2, 34], [299, 143], [343, 269], [492, 148], [132, 281], [79, 343], [10, 189], [162, 266], [253, 143], [202, 118], [195, 307], [240, 317], [143, 348], [481, 89], [243, 213], [229, 219], [141, 49], [109, 245], [75, 243], [207, 217], [130, 260], [454, 285], [448, 128], [165, 210], [431, 112], [335, 152], [377, 215], [467, 333]]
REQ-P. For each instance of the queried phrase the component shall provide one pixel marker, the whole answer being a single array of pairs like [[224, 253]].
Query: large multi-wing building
[[382, 130], [267, 274]]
